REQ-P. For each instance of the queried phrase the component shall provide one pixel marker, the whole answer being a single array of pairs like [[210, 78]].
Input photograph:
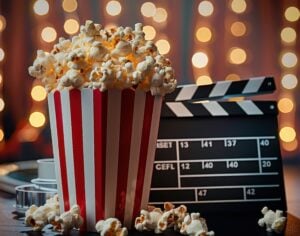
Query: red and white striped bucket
[[104, 145]]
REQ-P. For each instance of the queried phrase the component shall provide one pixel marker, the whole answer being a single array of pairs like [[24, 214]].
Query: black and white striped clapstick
[[223, 89], [215, 108]]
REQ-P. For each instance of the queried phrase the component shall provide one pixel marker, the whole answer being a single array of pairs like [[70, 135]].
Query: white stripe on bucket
[[112, 150], [88, 154], [136, 136], [67, 128], [151, 150], [53, 127]]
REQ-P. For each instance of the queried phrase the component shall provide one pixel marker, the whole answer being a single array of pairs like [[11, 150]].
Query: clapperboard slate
[[219, 155]]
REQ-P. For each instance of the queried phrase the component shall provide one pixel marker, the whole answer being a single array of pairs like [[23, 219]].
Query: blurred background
[[206, 40]]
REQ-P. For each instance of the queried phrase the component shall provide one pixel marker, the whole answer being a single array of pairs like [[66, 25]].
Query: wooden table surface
[[12, 224]]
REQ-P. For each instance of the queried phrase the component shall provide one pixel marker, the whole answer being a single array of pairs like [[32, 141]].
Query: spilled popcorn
[[195, 225], [154, 219], [102, 59], [111, 227], [274, 221], [39, 217], [68, 220]]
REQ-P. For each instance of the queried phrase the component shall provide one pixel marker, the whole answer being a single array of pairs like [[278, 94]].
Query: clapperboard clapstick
[[223, 89], [219, 155], [180, 103]]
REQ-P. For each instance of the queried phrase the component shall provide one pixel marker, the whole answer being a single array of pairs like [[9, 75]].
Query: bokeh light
[[38, 93], [292, 14], [200, 60], [204, 80], [237, 55], [48, 34], [2, 23], [161, 15], [233, 77], [238, 6], [69, 5], [287, 134], [148, 9], [288, 35], [163, 46], [41, 7], [205, 8], [2, 104], [291, 146], [1, 135], [113, 8], [1, 78], [289, 81], [238, 29], [149, 31], [289, 59], [285, 105], [203, 34], [71, 26], [2, 54], [37, 119]]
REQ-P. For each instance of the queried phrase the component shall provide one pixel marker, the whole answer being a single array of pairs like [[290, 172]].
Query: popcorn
[[68, 220], [122, 49], [43, 68], [195, 225], [172, 217], [148, 220], [77, 59], [72, 78], [90, 29], [274, 221], [176, 218], [111, 227], [62, 46], [98, 58], [38, 217], [97, 51]]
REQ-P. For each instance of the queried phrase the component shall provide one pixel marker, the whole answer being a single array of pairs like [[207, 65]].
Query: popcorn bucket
[[104, 145]]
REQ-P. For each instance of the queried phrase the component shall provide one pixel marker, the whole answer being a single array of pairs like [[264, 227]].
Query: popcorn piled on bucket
[[100, 58]]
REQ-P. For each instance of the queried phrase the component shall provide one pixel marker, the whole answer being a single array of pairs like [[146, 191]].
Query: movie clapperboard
[[218, 155]]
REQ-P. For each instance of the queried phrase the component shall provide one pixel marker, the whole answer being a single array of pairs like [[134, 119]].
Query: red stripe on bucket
[[100, 114], [127, 106], [76, 124], [143, 153], [61, 149]]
